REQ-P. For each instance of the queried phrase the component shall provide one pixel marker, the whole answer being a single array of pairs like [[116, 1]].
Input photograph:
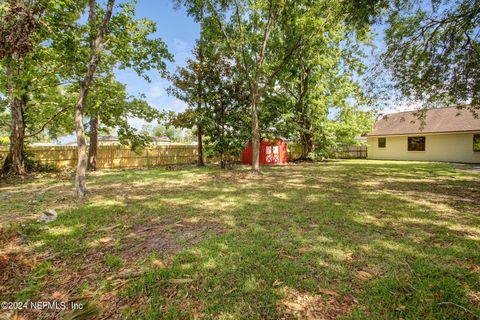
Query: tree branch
[[47, 122]]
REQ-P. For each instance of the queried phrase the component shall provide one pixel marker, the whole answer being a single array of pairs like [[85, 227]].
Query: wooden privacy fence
[[115, 156], [124, 157], [352, 152]]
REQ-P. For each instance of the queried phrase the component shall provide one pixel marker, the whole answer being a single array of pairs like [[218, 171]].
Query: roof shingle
[[441, 120]]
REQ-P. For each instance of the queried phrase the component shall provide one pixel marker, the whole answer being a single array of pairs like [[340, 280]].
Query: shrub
[[32, 165]]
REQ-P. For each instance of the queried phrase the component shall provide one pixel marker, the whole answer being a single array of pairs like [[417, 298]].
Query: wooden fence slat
[[124, 157]]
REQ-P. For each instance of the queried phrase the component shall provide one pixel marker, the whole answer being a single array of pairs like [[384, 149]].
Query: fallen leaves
[[226, 293], [302, 250], [363, 275], [180, 281], [158, 264], [328, 292], [303, 305], [276, 283]]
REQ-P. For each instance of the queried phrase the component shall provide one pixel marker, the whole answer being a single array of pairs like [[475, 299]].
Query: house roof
[[107, 138], [441, 120], [161, 139]]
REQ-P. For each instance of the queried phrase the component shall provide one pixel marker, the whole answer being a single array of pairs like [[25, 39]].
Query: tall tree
[[188, 86], [252, 36], [224, 98], [96, 48], [255, 34], [192, 117], [318, 84], [127, 44], [32, 31]]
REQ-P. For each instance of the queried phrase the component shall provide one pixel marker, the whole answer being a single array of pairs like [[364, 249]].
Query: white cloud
[[156, 90], [138, 123], [176, 105]]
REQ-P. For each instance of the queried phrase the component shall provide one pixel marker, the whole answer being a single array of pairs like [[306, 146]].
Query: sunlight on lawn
[[358, 239]]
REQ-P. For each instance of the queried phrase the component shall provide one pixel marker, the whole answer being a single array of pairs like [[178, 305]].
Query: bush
[[32, 165]]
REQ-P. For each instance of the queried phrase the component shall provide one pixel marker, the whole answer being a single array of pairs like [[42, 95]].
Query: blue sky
[[179, 32]]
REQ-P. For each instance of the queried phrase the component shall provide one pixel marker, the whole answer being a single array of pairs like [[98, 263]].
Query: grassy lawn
[[350, 239]]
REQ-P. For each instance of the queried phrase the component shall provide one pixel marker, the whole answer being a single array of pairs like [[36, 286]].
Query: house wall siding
[[457, 147]]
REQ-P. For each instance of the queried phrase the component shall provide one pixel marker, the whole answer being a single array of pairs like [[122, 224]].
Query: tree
[[188, 87], [110, 107], [433, 52], [32, 31], [192, 117], [96, 48], [223, 97], [128, 44], [247, 36], [316, 83], [259, 36], [253, 37]]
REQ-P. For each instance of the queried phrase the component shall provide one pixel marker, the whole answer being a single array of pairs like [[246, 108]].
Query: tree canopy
[[433, 52]]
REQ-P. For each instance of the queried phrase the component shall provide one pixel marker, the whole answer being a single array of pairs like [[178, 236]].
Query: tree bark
[[96, 49], [200, 162], [14, 162], [307, 145], [80, 178], [93, 147], [222, 160], [302, 108], [255, 136]]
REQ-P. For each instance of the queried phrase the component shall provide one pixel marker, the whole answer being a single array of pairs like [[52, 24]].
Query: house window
[[416, 143], [476, 142], [382, 142]]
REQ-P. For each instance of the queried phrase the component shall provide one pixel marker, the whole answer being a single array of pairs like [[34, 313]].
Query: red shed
[[271, 152]]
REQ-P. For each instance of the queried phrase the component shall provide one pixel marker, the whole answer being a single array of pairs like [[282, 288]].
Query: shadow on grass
[[309, 229]]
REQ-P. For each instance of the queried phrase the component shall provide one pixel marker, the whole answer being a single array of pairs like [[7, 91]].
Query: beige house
[[449, 134]]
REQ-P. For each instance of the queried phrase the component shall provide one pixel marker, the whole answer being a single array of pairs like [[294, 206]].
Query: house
[[160, 141], [108, 141], [448, 134], [114, 141], [42, 144]]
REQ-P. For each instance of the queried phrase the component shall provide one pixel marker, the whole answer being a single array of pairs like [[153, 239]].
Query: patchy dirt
[[297, 305], [164, 238]]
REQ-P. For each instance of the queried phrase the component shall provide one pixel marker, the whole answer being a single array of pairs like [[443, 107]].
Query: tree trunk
[[92, 149], [14, 162], [302, 107], [307, 145], [96, 48], [255, 136], [222, 159], [80, 178], [200, 162]]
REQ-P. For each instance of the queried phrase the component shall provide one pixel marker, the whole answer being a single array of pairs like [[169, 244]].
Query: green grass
[[350, 239]]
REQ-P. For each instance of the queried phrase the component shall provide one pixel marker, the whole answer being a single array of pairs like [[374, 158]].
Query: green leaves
[[433, 52], [130, 42]]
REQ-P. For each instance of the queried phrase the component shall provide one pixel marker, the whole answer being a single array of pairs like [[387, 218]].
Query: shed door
[[272, 154]]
